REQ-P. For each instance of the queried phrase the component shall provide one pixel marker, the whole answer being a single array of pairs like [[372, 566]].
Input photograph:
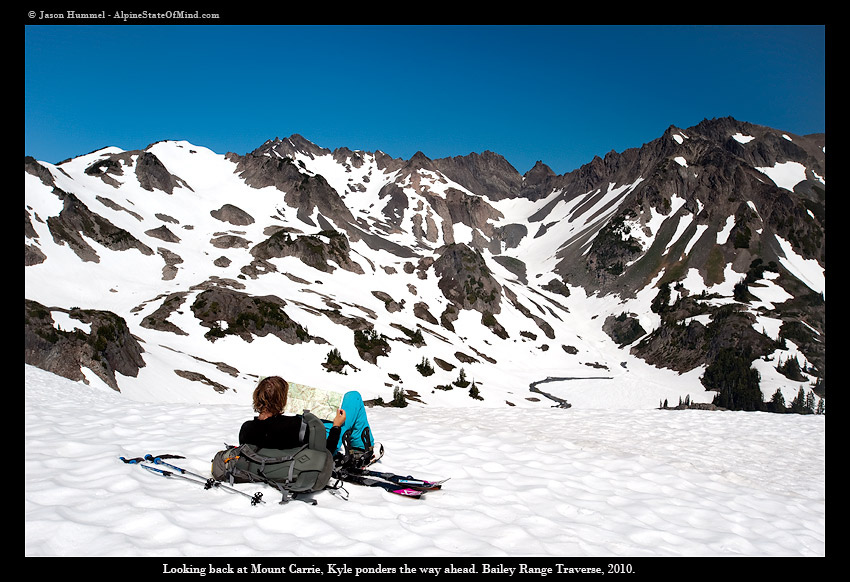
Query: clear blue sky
[[559, 94]]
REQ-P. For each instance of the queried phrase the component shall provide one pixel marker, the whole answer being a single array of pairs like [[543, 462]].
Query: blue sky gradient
[[559, 94]]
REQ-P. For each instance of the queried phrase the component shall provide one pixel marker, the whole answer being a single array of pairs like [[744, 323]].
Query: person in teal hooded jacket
[[272, 428]]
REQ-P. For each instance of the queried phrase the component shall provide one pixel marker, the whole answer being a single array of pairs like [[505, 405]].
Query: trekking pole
[[187, 475], [208, 482], [158, 460], [140, 461]]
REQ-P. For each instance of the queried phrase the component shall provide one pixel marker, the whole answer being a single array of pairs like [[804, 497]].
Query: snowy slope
[[132, 285], [581, 482]]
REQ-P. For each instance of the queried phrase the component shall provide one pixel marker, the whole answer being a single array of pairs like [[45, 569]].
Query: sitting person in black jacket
[[275, 430]]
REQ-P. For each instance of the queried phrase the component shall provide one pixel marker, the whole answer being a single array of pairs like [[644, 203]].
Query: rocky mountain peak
[[290, 146], [419, 161], [488, 174], [538, 173]]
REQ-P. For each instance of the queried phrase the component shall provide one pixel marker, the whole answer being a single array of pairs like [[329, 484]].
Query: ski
[[181, 473], [408, 481], [386, 485]]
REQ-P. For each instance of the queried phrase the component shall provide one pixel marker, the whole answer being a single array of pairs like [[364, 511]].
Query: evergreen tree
[[334, 361], [810, 402], [461, 381], [398, 398], [798, 405], [736, 382], [425, 368], [417, 338], [791, 369], [777, 402]]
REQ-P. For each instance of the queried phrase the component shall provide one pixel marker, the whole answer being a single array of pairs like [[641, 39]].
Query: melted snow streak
[[529, 482]]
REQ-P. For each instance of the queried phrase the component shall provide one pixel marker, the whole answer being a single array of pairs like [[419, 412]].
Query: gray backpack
[[303, 469]]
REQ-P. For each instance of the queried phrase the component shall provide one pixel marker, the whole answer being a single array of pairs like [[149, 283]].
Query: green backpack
[[303, 469]]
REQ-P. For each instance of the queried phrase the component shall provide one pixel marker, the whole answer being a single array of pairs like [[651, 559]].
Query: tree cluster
[[737, 385]]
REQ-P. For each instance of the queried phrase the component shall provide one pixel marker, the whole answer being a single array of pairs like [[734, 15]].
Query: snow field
[[523, 482]]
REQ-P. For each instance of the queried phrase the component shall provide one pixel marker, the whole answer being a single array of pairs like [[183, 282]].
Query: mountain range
[[177, 273]]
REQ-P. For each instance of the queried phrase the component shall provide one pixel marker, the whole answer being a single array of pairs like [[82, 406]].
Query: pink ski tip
[[410, 492]]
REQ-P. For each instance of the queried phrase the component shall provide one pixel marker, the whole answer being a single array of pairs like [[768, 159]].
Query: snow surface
[[577, 482], [786, 174]]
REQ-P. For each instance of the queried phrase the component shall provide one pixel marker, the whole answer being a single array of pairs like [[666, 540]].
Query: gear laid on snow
[[350, 467], [184, 474], [293, 471]]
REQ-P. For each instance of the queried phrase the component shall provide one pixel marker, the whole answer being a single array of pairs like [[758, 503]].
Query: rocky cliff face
[[707, 225], [101, 343]]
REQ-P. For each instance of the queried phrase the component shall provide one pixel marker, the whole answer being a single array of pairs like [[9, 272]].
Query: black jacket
[[280, 432]]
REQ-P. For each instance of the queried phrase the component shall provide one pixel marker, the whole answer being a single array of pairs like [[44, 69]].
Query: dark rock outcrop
[[232, 214], [149, 170], [229, 312], [318, 251], [308, 193], [76, 220], [105, 348], [466, 281]]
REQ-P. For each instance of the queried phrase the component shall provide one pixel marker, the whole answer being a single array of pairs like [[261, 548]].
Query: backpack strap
[[302, 433], [316, 434], [251, 455], [262, 460]]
